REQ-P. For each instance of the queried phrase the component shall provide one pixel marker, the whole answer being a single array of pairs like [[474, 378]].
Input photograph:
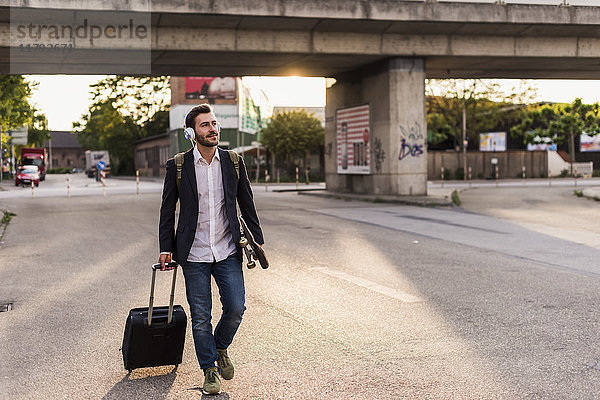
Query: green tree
[[137, 97], [124, 109], [158, 124], [292, 135], [483, 102], [15, 110], [105, 128], [560, 123], [38, 133]]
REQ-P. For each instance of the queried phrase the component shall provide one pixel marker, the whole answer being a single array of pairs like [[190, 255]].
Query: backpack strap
[[235, 157], [179, 163]]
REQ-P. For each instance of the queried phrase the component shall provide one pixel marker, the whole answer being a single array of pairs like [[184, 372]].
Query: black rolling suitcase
[[155, 336]]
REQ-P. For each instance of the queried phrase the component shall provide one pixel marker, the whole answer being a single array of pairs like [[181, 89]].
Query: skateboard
[[251, 248]]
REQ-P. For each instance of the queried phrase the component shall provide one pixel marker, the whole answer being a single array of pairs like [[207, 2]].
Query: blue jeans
[[230, 281]]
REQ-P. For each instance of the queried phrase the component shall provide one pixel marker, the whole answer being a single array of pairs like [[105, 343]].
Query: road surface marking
[[367, 284]]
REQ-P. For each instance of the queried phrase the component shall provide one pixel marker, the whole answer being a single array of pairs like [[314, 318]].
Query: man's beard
[[206, 143]]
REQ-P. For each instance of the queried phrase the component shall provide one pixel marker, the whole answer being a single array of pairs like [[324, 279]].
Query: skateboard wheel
[[243, 242], [251, 264]]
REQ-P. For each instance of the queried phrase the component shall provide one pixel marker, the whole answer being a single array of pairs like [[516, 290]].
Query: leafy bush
[[455, 198], [6, 217]]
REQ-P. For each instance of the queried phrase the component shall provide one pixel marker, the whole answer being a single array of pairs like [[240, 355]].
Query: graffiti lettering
[[414, 132], [414, 150]]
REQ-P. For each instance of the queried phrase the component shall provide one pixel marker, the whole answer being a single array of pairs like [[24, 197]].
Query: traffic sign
[[17, 136], [101, 165]]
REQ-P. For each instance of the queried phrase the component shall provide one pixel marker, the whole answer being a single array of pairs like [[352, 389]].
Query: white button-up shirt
[[213, 240]]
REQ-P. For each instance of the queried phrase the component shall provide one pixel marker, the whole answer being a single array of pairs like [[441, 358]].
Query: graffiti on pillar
[[410, 145], [329, 149], [407, 149], [413, 133], [378, 154]]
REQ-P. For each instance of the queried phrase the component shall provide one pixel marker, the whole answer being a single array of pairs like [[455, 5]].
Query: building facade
[[64, 150]]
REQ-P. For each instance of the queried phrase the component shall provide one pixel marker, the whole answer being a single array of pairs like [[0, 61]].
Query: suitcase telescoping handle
[[156, 267]]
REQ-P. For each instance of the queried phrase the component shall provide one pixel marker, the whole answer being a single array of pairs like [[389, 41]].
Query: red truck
[[37, 156]]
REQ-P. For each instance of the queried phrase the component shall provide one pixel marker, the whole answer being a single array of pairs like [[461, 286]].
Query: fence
[[510, 164]]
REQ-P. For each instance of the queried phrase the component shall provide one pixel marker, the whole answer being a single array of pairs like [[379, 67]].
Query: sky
[[65, 98]]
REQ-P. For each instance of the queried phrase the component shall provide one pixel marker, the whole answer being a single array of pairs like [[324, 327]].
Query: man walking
[[206, 241]]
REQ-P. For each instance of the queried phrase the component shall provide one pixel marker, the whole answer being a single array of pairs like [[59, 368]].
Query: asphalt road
[[362, 301]]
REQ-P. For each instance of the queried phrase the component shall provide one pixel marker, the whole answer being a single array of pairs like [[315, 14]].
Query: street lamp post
[[464, 137]]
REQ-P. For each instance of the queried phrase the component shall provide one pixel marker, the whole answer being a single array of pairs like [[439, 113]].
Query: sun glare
[[291, 90]]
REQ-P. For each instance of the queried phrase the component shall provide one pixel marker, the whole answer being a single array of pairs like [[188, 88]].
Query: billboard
[[249, 113], [227, 115], [353, 131], [492, 141], [589, 143], [255, 110], [198, 88]]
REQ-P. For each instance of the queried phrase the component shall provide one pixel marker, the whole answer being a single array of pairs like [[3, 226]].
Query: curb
[[420, 201], [591, 194], [298, 190]]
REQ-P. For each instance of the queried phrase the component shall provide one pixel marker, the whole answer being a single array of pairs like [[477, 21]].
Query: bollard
[[549, 178], [266, 181], [575, 172], [470, 182], [68, 186], [442, 177], [278, 175], [32, 189], [524, 175], [137, 181], [297, 178], [496, 175], [102, 177]]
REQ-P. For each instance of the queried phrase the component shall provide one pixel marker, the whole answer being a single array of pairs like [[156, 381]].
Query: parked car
[[27, 174]]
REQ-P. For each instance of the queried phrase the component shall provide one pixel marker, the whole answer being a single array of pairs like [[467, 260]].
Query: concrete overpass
[[323, 38], [380, 52]]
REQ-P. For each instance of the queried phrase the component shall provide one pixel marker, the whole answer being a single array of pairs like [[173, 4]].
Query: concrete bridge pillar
[[395, 94]]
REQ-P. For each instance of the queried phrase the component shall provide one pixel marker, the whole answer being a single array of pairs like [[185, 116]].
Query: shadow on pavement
[[147, 387], [220, 396]]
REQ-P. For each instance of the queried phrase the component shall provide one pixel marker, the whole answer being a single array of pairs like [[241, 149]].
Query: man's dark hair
[[199, 109]]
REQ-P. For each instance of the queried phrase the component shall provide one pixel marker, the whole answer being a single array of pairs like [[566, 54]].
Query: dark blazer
[[180, 242]]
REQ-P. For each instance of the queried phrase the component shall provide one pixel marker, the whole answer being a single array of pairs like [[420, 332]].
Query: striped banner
[[353, 132]]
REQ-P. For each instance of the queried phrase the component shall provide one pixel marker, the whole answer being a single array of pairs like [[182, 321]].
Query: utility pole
[[50, 166], [464, 139]]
